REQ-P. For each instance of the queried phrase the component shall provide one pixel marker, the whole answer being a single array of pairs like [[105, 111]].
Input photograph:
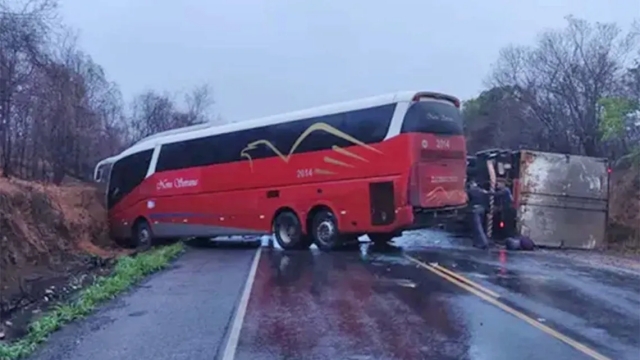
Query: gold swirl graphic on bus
[[315, 127], [323, 172], [348, 153], [333, 161]]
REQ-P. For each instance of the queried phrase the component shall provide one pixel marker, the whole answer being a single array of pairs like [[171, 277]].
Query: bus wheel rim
[[325, 231], [286, 233], [144, 236]]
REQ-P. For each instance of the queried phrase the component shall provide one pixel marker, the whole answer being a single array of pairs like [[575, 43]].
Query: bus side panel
[[121, 221], [251, 211], [240, 197], [213, 214], [349, 201]]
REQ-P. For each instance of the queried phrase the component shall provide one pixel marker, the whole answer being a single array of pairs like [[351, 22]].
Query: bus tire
[[142, 235], [381, 238], [287, 230], [324, 231]]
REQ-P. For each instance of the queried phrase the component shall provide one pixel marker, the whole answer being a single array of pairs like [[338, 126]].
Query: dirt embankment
[[48, 234], [624, 210]]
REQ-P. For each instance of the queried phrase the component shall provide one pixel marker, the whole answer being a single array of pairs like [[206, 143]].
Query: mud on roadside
[[53, 241]]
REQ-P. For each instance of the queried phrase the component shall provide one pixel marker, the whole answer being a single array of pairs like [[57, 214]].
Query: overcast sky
[[268, 56]]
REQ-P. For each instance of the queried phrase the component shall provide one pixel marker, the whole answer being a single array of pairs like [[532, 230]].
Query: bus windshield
[[434, 117]]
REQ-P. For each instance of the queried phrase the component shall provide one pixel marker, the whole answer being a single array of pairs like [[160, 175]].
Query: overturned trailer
[[560, 200]]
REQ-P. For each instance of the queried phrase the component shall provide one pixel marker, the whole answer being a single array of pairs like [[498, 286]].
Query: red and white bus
[[374, 166]]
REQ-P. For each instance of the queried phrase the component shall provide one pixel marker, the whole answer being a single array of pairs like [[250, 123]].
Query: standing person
[[479, 205], [504, 199]]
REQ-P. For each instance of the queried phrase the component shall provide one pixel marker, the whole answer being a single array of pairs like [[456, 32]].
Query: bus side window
[[197, 152], [326, 140], [228, 147], [370, 125]]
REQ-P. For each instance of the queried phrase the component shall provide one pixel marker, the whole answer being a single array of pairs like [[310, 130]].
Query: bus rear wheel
[[324, 231], [288, 231]]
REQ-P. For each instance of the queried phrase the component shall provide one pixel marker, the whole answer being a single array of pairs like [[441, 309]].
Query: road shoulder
[[181, 313]]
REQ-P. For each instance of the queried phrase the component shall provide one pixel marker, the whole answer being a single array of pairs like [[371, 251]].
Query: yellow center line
[[465, 280], [567, 340]]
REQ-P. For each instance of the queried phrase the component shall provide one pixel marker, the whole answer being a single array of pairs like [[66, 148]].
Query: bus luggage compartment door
[[382, 202], [562, 199]]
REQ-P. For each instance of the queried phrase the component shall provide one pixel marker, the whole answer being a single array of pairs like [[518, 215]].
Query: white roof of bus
[[202, 130], [107, 160], [175, 131]]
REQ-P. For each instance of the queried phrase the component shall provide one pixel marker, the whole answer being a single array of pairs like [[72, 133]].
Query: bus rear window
[[433, 117]]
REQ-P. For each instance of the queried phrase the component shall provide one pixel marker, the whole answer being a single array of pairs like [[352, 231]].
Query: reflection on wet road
[[389, 305], [432, 297]]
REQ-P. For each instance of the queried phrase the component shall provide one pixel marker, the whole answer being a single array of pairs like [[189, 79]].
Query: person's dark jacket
[[480, 197]]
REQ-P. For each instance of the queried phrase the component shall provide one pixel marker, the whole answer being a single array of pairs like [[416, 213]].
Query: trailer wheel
[[324, 231], [288, 231], [142, 235]]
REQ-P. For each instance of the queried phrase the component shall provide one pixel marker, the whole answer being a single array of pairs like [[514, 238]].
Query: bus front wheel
[[324, 230], [142, 235], [288, 231]]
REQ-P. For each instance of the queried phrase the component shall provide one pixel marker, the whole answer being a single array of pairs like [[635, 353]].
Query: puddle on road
[[430, 239], [430, 246]]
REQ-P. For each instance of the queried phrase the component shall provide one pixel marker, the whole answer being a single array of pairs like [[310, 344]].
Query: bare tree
[[562, 78], [23, 33], [495, 119], [152, 112], [59, 114], [199, 103], [56, 102]]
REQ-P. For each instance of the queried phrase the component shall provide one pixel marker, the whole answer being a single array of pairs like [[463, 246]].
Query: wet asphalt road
[[430, 298]]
